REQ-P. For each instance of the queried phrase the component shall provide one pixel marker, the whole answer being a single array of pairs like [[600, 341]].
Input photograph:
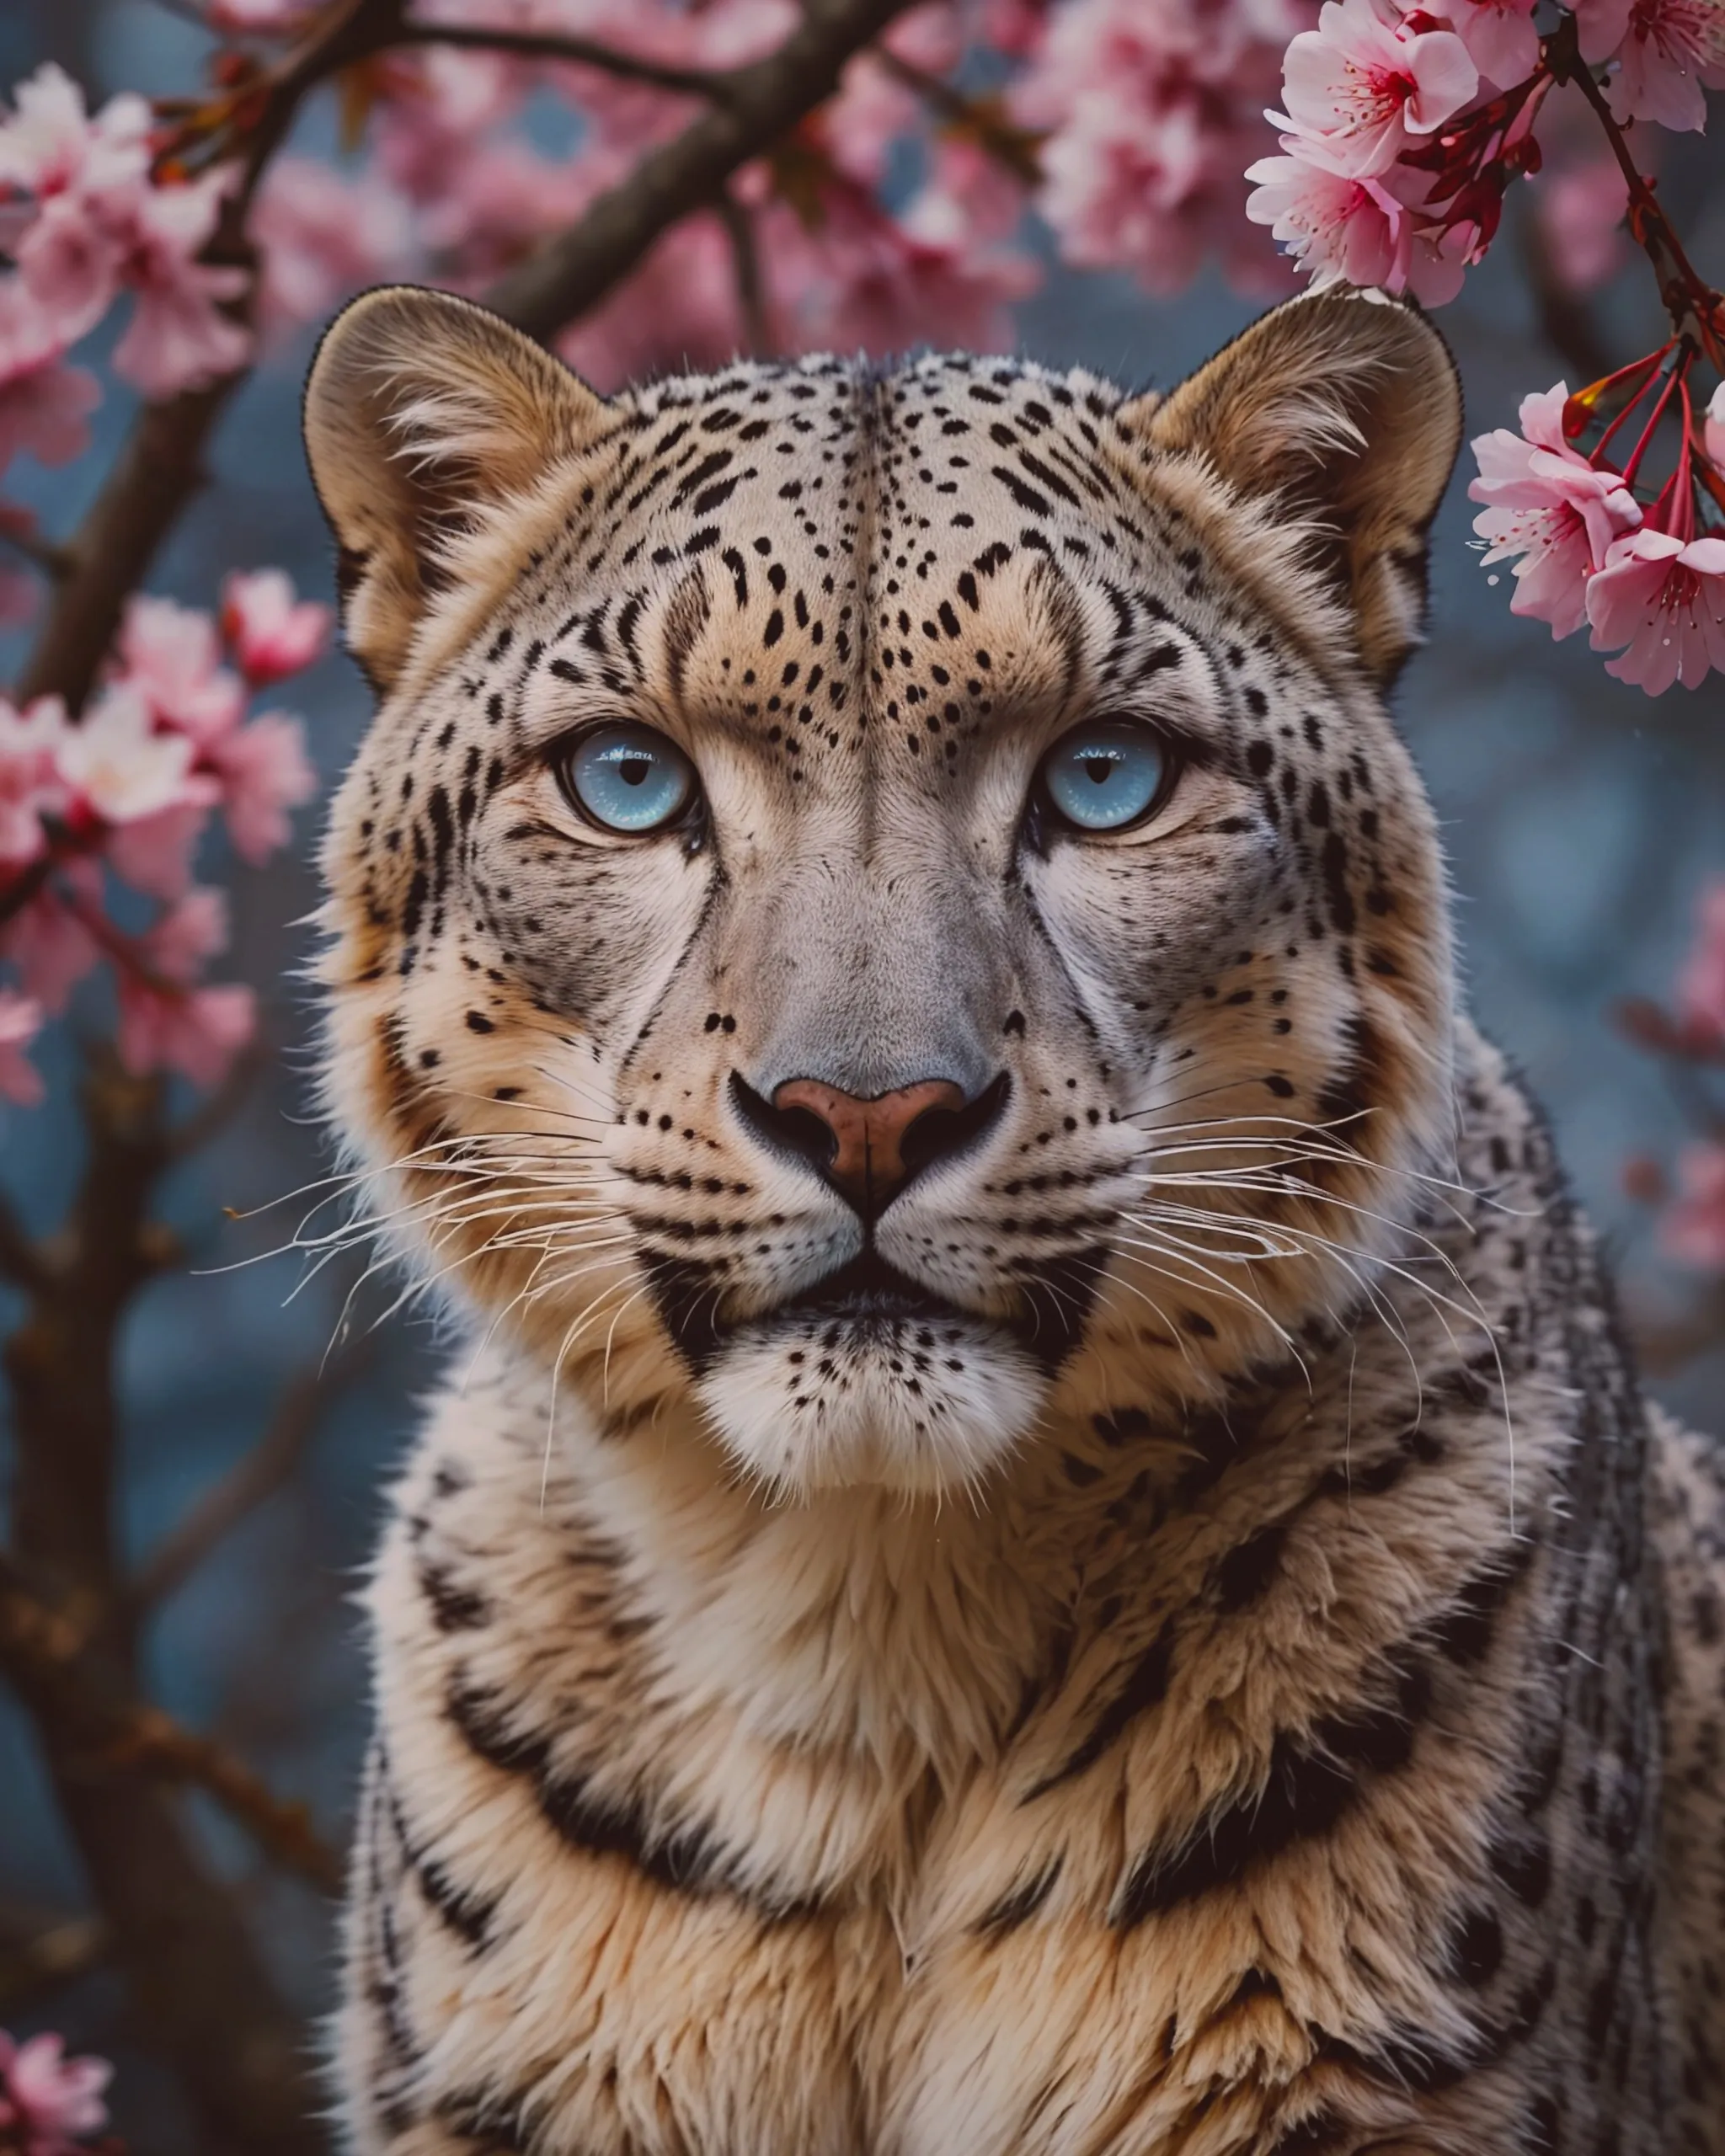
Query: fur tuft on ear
[[424, 416], [1344, 406]]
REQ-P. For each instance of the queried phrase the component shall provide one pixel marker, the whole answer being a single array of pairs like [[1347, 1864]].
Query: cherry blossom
[[1151, 116], [1665, 599], [1601, 27], [20, 1022], [50, 943], [171, 656], [262, 771], [322, 234], [1500, 35], [52, 2100], [1701, 985], [1368, 86], [44, 405], [271, 633], [178, 338], [30, 785], [117, 766], [1693, 1228], [1669, 50], [1713, 429], [1548, 505], [1358, 229], [166, 1022]]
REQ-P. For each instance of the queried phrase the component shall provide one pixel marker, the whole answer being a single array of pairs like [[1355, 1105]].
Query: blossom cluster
[[100, 823], [1405, 124], [1649, 581], [89, 213], [50, 2105]]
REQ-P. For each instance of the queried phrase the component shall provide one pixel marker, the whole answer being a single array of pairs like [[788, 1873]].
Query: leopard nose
[[869, 1149]]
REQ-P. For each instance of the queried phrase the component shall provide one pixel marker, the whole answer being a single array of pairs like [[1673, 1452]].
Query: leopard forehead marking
[[866, 603]]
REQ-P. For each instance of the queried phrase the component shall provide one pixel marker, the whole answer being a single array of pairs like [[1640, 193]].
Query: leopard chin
[[923, 1404]]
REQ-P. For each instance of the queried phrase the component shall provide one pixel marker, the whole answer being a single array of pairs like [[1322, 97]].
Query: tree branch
[[760, 103], [46, 1651], [21, 1262], [578, 51], [256, 1475], [198, 1987], [752, 286]]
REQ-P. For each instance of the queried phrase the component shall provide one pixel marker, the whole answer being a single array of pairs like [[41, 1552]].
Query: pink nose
[[868, 1161]]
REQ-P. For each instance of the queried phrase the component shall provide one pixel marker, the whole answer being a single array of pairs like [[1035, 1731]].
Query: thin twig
[[255, 1477], [1008, 144], [44, 1647], [751, 288], [578, 51], [56, 1951], [42, 553]]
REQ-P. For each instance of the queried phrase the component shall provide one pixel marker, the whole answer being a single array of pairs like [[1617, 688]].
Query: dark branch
[[752, 286], [760, 103], [577, 51]]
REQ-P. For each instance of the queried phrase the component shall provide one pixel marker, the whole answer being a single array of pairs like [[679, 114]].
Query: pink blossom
[[49, 941], [87, 176], [1500, 36], [1713, 429], [29, 781], [55, 2100], [116, 766], [868, 280], [1357, 229], [1701, 985], [178, 338], [1546, 504], [875, 106], [154, 853], [1152, 114], [1692, 1230], [1671, 48], [322, 234], [262, 771], [270, 633], [1368, 87], [1581, 209], [170, 655], [45, 406], [1665, 599], [166, 1022], [20, 1022], [51, 146], [1602, 25]]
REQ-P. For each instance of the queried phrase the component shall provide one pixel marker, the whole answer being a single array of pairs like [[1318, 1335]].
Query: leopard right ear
[[426, 416]]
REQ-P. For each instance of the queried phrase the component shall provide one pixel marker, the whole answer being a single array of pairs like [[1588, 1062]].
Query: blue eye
[[1105, 775], [628, 778]]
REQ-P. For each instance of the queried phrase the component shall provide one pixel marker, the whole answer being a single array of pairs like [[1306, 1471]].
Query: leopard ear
[[424, 416], [1345, 406]]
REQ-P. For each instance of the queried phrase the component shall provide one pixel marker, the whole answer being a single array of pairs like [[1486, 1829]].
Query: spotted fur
[[1189, 1686]]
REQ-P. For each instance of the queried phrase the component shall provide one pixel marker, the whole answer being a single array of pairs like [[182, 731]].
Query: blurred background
[[1582, 821]]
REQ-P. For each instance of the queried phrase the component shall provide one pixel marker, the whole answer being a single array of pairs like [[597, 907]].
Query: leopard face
[[875, 896]]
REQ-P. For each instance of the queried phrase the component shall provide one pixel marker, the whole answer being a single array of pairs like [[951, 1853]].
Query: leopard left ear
[[426, 416], [1345, 406]]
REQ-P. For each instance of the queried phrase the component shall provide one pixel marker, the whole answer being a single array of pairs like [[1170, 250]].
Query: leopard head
[[878, 897]]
